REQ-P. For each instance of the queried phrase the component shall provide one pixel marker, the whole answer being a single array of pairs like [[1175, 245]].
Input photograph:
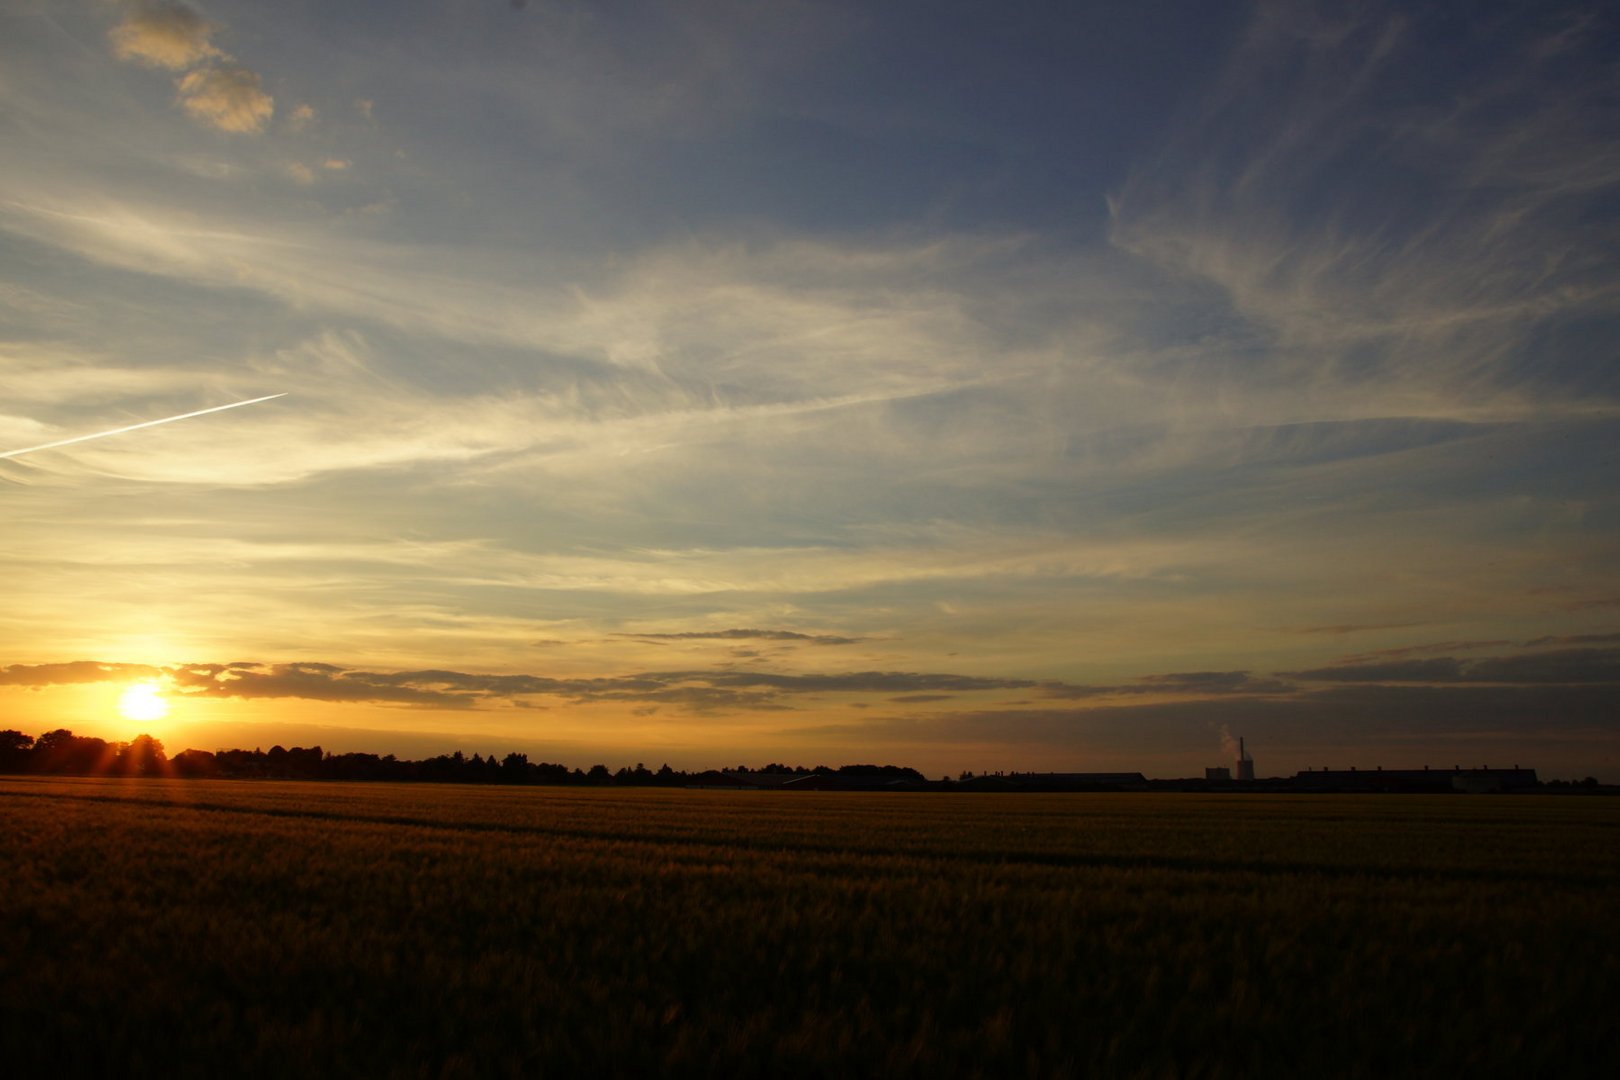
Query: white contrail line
[[137, 427]]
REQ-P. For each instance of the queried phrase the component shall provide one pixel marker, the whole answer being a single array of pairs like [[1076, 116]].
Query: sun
[[143, 702]]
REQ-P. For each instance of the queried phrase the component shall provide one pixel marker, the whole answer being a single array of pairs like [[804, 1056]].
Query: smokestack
[[1245, 765]]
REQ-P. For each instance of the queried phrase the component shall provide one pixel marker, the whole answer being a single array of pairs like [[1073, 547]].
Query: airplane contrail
[[137, 427]]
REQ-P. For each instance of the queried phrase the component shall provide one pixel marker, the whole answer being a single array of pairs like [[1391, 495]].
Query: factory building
[[1243, 767]]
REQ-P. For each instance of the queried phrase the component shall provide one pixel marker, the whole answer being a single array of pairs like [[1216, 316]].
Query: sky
[[965, 386]]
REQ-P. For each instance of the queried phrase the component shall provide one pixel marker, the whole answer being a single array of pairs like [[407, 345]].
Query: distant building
[[1491, 781], [1417, 781], [1094, 781], [718, 778], [1245, 764]]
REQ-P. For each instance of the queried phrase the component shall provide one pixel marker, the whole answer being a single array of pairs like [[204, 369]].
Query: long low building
[[1416, 780], [1072, 781]]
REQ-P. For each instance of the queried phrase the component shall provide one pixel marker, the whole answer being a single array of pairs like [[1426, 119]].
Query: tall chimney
[[1245, 767]]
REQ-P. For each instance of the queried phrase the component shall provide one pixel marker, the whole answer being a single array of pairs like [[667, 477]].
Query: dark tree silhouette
[[61, 751], [141, 756], [15, 750], [199, 763]]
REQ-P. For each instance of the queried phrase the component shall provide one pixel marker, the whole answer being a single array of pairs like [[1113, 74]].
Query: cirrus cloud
[[746, 634], [71, 672], [1559, 666]]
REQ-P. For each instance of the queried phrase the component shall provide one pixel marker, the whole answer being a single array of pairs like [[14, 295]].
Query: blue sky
[[957, 385]]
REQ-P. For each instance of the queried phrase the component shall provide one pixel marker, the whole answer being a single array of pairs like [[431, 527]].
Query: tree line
[[63, 753]]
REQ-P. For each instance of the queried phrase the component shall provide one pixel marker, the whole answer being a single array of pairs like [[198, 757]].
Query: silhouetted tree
[[301, 763], [54, 742], [61, 751], [15, 751], [194, 763], [515, 768], [141, 756]]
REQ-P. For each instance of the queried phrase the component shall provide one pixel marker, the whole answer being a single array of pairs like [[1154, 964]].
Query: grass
[[210, 928]]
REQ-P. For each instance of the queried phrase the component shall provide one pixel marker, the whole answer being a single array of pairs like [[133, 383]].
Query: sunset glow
[[143, 702]]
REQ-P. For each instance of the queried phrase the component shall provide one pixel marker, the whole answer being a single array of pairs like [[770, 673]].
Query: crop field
[[240, 928]]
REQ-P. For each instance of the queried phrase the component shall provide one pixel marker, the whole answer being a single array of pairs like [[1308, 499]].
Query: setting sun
[[142, 702]]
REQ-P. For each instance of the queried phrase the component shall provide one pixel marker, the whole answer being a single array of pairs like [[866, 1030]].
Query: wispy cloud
[[1386, 239], [1429, 648], [1390, 724], [747, 635], [1191, 683], [1341, 629], [317, 681], [72, 671], [311, 682], [1565, 639], [1402, 651], [1551, 666]]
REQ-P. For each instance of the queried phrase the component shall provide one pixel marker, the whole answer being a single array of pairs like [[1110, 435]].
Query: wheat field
[[214, 928]]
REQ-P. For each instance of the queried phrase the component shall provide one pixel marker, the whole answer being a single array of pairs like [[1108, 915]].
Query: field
[[220, 928]]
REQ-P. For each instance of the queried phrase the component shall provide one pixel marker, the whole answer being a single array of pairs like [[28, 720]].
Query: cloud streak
[[1558, 666], [1388, 723], [699, 690], [746, 635], [73, 672]]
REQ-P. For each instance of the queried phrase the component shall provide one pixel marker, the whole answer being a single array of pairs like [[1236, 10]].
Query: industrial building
[[1243, 767]]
